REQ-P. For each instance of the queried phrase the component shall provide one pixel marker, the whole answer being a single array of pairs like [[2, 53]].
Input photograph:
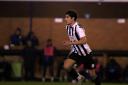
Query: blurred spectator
[[5, 69], [125, 74], [32, 37], [29, 56], [16, 38], [113, 71], [48, 63], [2, 68]]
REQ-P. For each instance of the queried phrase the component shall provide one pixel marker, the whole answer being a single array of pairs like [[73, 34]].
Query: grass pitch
[[53, 83]]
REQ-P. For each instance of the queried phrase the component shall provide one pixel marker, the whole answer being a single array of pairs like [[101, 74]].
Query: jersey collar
[[74, 24]]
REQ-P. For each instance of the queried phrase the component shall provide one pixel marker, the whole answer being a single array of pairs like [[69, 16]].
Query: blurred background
[[29, 27]]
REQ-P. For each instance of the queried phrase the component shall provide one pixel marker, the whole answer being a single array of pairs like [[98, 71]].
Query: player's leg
[[92, 71], [69, 63], [81, 77], [68, 66], [95, 77], [90, 64]]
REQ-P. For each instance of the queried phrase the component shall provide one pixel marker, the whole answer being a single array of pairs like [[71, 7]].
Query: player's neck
[[73, 23]]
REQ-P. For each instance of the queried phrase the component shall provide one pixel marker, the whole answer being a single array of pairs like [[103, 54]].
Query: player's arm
[[82, 40], [82, 36]]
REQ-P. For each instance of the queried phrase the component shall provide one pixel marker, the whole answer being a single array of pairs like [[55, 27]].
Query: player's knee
[[92, 73], [66, 67], [68, 64]]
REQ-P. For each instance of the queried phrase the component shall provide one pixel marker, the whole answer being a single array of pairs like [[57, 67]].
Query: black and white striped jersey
[[76, 32]]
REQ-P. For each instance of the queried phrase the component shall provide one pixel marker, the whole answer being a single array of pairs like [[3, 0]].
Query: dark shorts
[[87, 60], [48, 61]]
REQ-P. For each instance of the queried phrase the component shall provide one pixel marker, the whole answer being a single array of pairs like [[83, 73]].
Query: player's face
[[68, 19]]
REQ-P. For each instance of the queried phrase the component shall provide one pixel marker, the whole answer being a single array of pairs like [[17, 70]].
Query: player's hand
[[66, 43]]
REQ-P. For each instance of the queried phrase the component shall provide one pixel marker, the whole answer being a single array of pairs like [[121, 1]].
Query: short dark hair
[[72, 14]]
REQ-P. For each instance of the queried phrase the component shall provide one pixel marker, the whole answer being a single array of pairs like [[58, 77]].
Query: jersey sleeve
[[80, 32]]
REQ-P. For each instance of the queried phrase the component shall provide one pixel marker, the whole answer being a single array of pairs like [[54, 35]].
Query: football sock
[[73, 74]]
